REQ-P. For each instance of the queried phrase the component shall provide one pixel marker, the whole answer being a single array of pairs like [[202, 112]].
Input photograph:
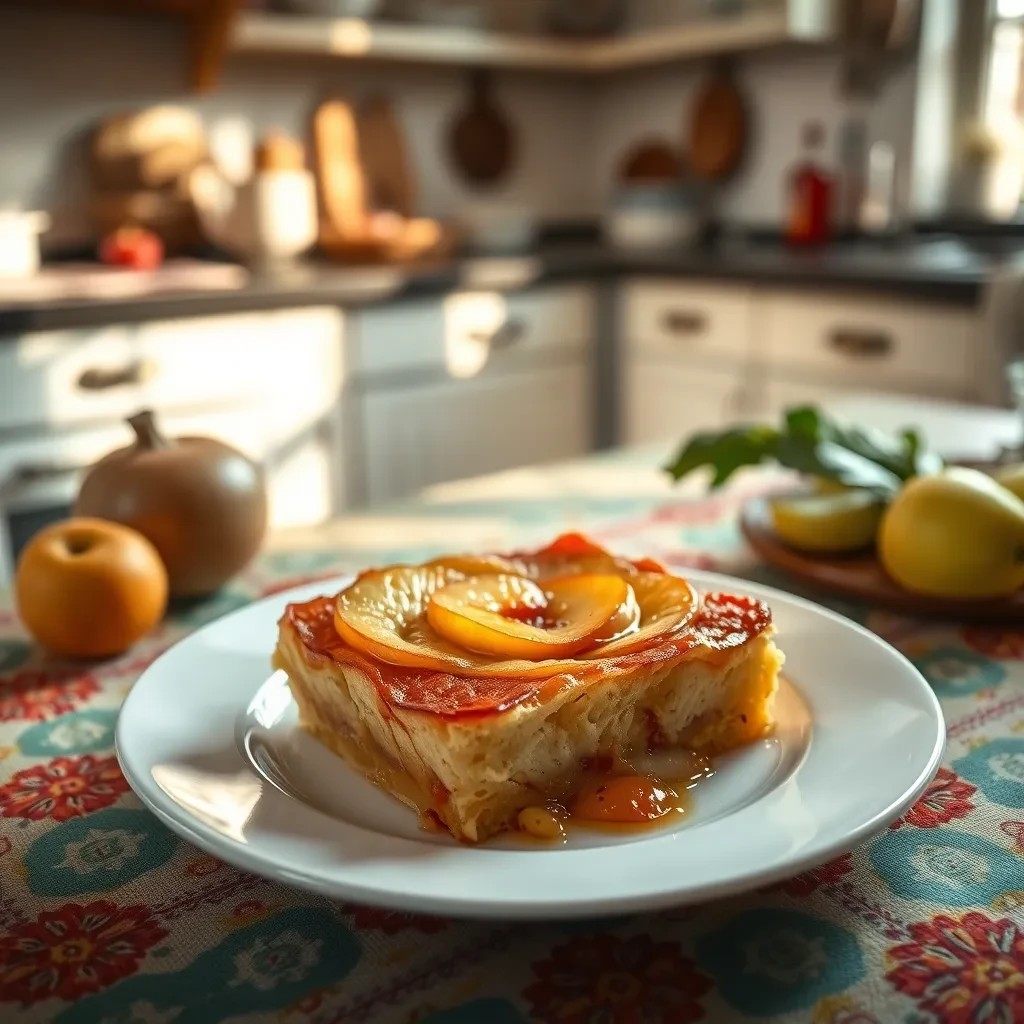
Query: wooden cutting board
[[860, 577], [385, 158], [341, 181], [718, 127]]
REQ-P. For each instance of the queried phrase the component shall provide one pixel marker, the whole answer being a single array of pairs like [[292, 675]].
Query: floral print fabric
[[106, 916]]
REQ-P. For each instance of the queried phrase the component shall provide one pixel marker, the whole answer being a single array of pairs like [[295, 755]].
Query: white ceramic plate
[[208, 739]]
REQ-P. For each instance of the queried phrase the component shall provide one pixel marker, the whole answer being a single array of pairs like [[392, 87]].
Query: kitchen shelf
[[207, 23], [354, 39]]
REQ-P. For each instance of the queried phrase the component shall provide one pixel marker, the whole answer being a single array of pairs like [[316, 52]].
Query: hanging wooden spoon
[[481, 142], [718, 127]]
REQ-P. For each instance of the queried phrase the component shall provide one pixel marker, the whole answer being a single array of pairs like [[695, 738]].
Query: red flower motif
[[64, 788], [826, 874], [963, 971], [947, 797], [204, 864], [1004, 644], [391, 922], [74, 950], [37, 695], [1015, 830], [616, 981], [690, 513], [251, 908], [308, 1004], [136, 664]]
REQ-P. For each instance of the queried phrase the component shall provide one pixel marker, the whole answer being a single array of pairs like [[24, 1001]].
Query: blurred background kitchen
[[380, 244]]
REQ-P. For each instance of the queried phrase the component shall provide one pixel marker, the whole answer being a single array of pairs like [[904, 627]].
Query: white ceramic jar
[[19, 241]]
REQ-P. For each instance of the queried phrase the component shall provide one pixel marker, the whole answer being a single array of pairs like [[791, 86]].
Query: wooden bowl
[[860, 577], [413, 239]]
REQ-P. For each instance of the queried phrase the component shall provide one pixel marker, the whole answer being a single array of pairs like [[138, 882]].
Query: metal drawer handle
[[684, 321], [505, 336], [29, 472], [99, 378], [861, 344]]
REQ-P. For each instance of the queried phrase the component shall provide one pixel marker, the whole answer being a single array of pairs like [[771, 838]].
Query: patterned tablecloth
[[107, 916]]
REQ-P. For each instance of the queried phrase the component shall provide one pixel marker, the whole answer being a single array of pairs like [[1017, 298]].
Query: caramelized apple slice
[[477, 565], [667, 604], [383, 614], [513, 617]]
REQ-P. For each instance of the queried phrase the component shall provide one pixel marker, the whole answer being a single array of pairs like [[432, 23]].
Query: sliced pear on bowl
[[831, 523], [957, 534], [1012, 478]]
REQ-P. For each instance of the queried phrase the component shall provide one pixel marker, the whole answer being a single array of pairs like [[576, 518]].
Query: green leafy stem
[[808, 442]]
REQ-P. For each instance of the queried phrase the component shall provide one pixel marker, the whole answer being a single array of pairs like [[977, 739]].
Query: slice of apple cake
[[477, 688]]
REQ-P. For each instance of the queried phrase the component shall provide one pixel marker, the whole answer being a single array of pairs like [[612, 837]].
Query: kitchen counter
[[110, 915], [940, 269]]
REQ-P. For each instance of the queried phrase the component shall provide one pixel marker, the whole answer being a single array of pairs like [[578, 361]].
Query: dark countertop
[[942, 269]]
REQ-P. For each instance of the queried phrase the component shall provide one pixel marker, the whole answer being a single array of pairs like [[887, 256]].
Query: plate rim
[[247, 858]]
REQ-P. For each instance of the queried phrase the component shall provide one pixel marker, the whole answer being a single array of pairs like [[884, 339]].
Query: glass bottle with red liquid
[[810, 193]]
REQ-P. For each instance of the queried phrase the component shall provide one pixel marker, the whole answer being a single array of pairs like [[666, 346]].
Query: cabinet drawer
[[687, 320], [70, 377], [666, 402], [446, 430], [885, 344], [40, 474], [462, 333]]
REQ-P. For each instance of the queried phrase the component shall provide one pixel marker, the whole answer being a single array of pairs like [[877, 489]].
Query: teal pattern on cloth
[[945, 866], [997, 769], [768, 962], [264, 966], [80, 732], [107, 916], [97, 852], [955, 672]]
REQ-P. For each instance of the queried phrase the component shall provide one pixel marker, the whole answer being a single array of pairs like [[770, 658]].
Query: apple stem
[[147, 434]]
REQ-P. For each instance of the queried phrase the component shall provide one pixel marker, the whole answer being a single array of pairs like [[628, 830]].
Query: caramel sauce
[[616, 798]]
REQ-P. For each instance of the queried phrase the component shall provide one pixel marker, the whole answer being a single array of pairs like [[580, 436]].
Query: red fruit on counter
[[137, 248]]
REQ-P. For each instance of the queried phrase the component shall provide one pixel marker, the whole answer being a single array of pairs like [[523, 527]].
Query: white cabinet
[[469, 384], [696, 355], [666, 402], [269, 384], [462, 332], [905, 346], [685, 352], [774, 397], [428, 433], [679, 319]]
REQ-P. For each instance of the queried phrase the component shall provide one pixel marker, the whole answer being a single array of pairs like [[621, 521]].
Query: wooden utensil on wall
[[481, 142], [718, 127], [341, 181], [385, 158]]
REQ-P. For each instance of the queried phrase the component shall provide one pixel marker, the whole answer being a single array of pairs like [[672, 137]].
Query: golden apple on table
[[88, 588]]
